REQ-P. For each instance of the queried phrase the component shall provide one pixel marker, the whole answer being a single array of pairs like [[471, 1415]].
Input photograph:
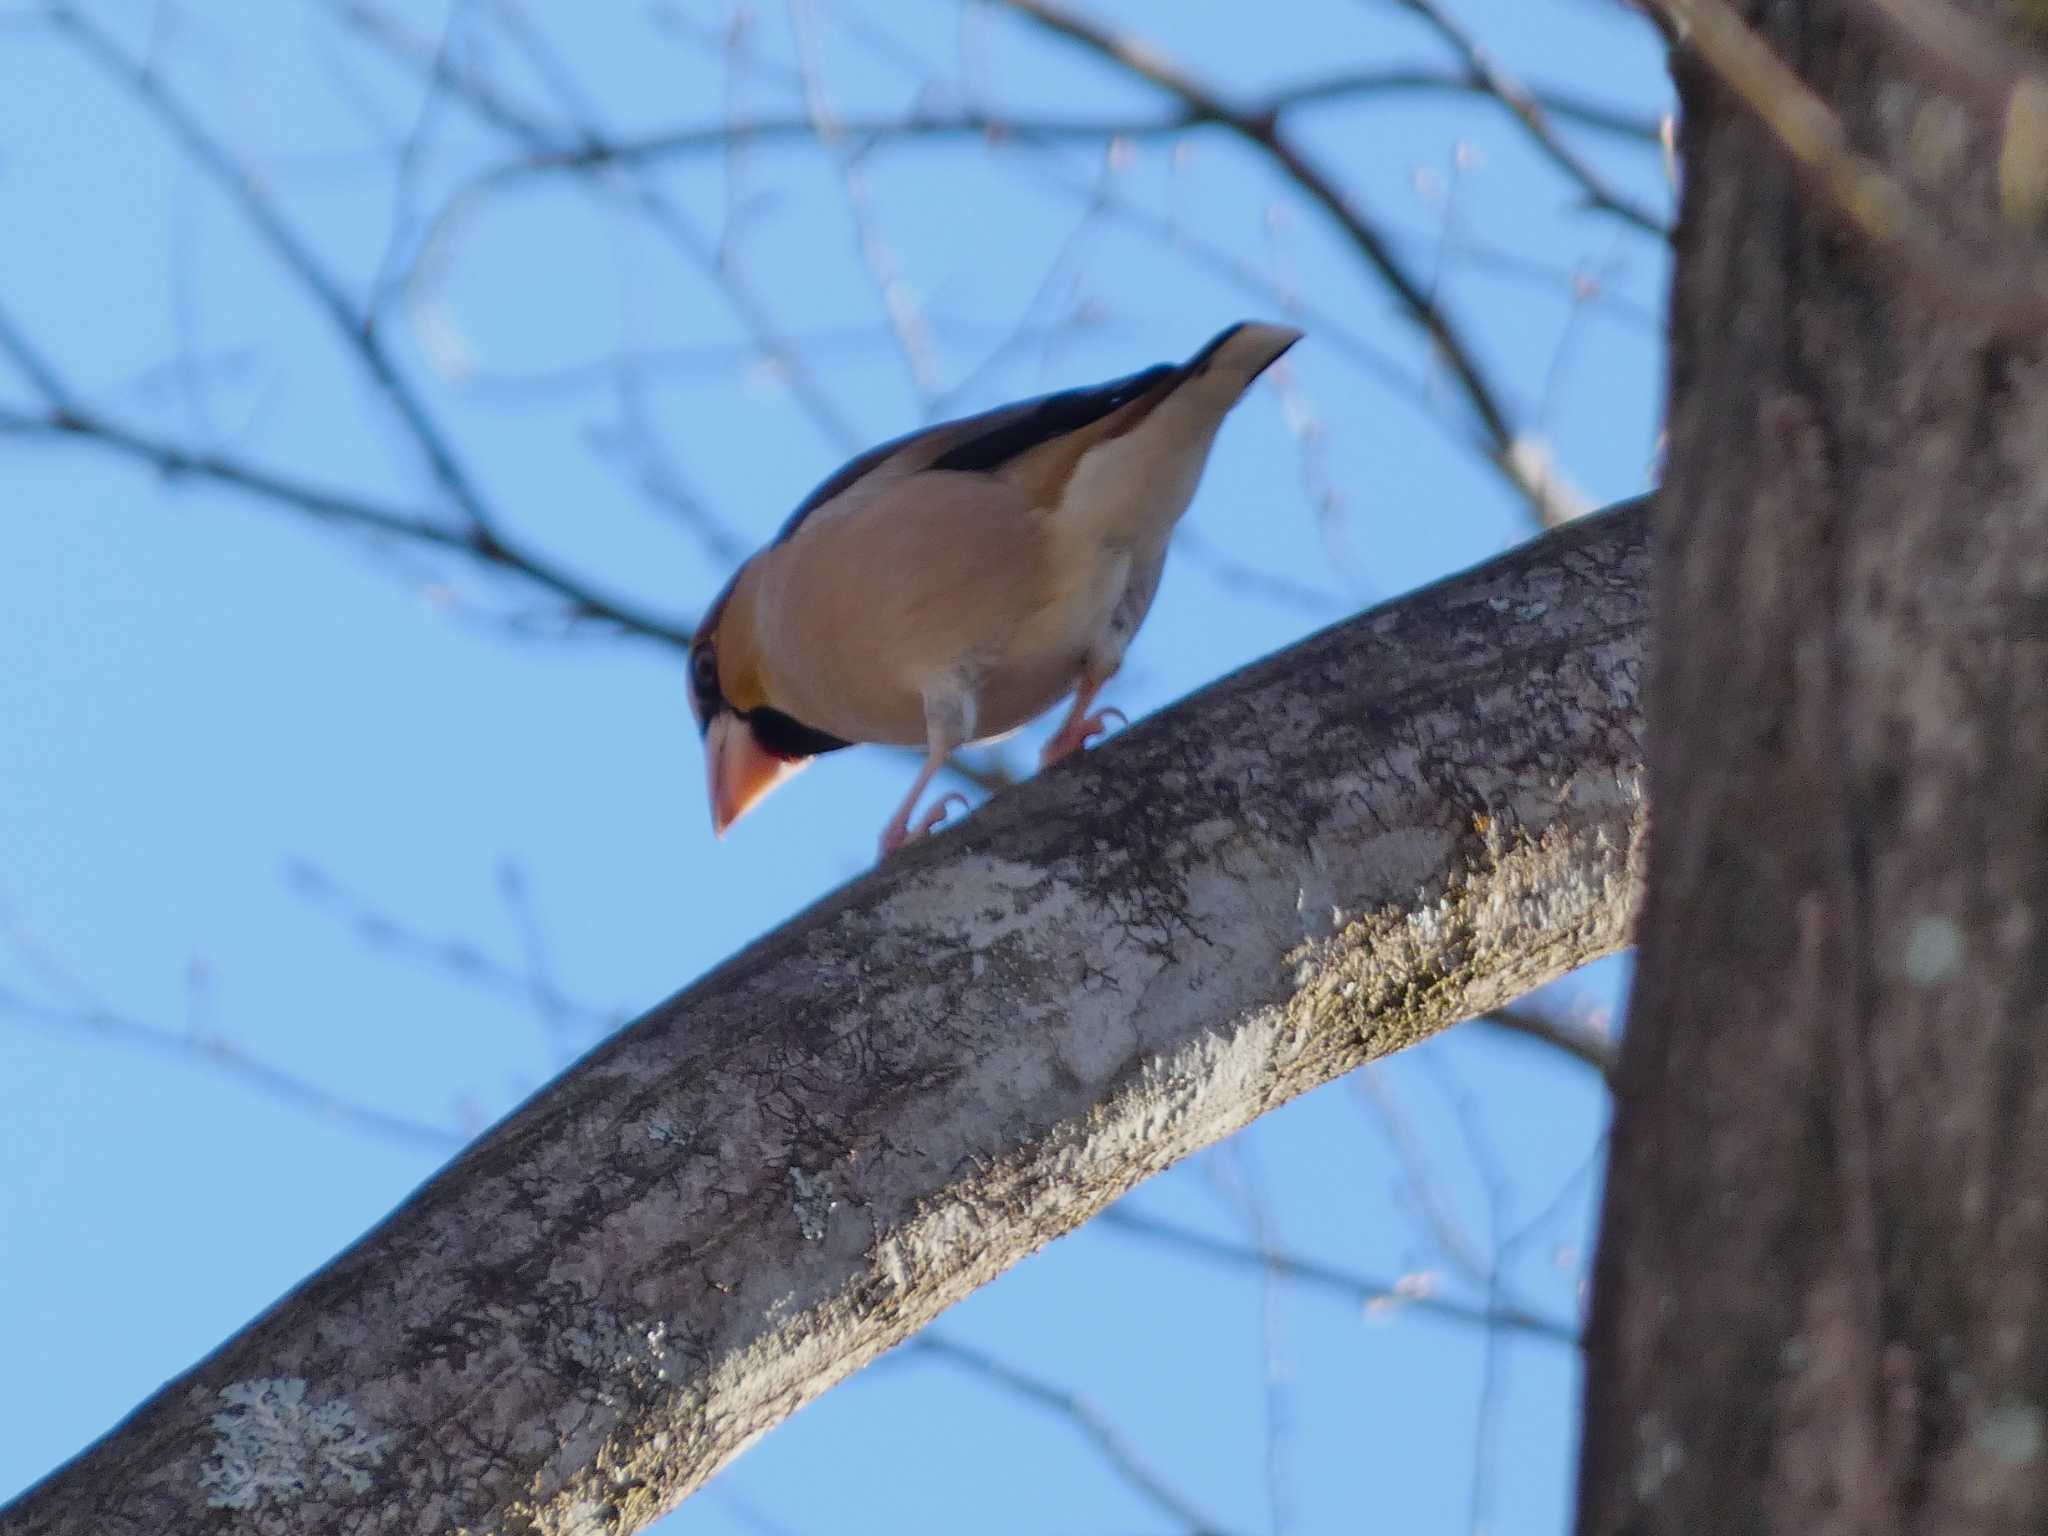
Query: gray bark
[[1819, 1301], [791, 1166]]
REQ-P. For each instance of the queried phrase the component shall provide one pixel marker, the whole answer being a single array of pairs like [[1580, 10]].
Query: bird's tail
[[1241, 353]]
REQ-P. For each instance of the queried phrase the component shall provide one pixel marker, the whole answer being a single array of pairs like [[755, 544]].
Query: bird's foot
[[1077, 733], [900, 831]]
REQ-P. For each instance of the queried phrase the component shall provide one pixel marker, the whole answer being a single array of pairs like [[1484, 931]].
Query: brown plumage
[[951, 585]]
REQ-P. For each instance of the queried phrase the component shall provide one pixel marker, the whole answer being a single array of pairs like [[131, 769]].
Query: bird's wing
[[981, 444], [1029, 424]]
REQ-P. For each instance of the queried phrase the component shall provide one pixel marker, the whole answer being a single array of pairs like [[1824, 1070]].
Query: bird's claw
[[1077, 734], [931, 818], [1097, 724], [901, 832]]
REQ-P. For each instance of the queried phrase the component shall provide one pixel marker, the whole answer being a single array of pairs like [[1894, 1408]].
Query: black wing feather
[[1018, 430], [1042, 420]]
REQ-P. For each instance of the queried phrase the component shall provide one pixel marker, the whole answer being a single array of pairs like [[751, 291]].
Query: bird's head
[[750, 746]]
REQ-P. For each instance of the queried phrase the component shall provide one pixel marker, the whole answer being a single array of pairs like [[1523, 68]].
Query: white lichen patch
[[812, 1202], [273, 1447], [609, 1347], [1659, 1456], [1934, 948], [2012, 1434]]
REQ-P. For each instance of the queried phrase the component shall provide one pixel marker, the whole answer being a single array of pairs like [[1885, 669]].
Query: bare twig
[[905, 315], [1486, 1162], [1530, 113], [1422, 1187], [463, 959], [1235, 1170], [1244, 580], [1367, 1291], [223, 1058], [390, 267], [36, 368], [1077, 1411], [1595, 1049], [350, 322], [175, 460]]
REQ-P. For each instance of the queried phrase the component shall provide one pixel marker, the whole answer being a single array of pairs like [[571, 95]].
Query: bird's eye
[[704, 690]]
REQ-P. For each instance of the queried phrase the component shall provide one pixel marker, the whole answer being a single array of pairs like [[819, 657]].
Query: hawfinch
[[949, 586]]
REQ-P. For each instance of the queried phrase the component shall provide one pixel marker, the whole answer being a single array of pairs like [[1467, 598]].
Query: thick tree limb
[[1406, 820]]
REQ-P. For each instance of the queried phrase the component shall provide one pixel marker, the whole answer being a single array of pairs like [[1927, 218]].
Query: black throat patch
[[788, 738]]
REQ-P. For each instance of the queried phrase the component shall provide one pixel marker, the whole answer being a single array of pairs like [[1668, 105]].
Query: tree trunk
[[785, 1170], [1818, 1301]]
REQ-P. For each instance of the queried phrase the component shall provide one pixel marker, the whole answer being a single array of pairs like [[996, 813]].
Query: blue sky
[[251, 765]]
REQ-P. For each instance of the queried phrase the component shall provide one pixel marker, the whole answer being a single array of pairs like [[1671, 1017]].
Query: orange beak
[[736, 770]]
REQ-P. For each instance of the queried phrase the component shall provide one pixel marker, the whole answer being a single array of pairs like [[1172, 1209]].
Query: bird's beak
[[737, 771]]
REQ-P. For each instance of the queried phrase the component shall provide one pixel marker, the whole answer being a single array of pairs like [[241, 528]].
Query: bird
[[953, 584]]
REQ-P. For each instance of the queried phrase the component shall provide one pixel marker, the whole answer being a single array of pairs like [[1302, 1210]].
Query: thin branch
[[174, 460], [389, 276], [906, 318], [727, 359], [1244, 580], [1433, 1205], [1234, 1170], [1596, 1049], [351, 324], [1486, 1163], [462, 959], [1078, 1411], [35, 367], [1566, 106], [223, 1058], [1376, 1294], [1529, 112]]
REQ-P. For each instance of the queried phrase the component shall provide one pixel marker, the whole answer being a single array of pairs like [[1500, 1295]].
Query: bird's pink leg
[[900, 831], [1080, 727]]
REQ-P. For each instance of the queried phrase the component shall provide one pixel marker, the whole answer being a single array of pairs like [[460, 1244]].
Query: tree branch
[[1406, 820]]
